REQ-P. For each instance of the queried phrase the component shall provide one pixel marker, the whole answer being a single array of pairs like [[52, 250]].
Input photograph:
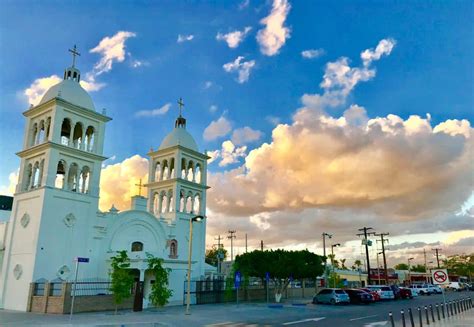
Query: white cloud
[[273, 36], [111, 49], [139, 63], [154, 112], [274, 120], [384, 47], [228, 154], [233, 39], [12, 181], [340, 78], [245, 135], [184, 38], [217, 128], [208, 85], [38, 88], [312, 53], [213, 108], [243, 68]]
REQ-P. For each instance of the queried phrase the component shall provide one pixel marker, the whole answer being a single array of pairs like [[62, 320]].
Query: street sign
[[238, 279], [79, 259], [440, 276], [267, 276]]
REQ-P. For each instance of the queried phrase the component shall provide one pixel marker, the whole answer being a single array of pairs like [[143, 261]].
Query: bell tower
[[177, 185], [56, 199]]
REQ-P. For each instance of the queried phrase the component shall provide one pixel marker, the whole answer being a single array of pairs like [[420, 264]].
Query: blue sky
[[429, 69]]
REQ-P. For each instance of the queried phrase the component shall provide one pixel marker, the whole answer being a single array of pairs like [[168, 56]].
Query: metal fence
[[92, 287]]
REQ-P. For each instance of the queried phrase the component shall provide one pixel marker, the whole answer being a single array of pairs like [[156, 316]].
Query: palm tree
[[343, 264], [357, 263]]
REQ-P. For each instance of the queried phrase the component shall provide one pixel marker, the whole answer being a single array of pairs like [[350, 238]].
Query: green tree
[[461, 265], [334, 280], [121, 279], [418, 268], [343, 264], [282, 266], [401, 266], [160, 293], [357, 264], [212, 253]]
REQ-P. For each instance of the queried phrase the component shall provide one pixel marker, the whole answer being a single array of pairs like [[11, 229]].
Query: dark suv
[[358, 296]]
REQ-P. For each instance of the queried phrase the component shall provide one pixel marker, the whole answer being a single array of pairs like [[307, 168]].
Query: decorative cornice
[[181, 181], [178, 147], [69, 105], [46, 145]]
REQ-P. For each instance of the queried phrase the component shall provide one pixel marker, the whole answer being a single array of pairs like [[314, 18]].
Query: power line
[[231, 237], [383, 254], [437, 255], [366, 243]]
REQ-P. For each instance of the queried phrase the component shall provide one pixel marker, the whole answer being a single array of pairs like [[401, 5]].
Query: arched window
[[197, 174], [137, 246], [190, 174], [84, 180], [157, 172], [28, 176], [171, 168], [173, 249], [164, 175], [156, 204], [189, 203], [34, 134], [170, 201], [77, 136], [60, 174], [164, 203], [48, 127], [183, 168], [197, 204], [65, 131], [89, 139], [72, 182], [36, 175], [182, 204], [42, 132]]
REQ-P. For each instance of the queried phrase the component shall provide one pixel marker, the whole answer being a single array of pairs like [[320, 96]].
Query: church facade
[[55, 216]]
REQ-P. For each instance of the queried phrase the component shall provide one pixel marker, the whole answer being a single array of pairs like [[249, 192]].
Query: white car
[[422, 289], [414, 291], [455, 286], [434, 289], [385, 292]]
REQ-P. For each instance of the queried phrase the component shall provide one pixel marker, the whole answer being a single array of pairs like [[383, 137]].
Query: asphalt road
[[251, 315]]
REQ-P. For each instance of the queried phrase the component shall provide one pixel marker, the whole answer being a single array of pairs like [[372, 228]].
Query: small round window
[[137, 246]]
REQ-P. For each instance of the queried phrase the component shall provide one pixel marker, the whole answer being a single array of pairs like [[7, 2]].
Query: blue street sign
[[267, 276], [79, 259], [238, 278]]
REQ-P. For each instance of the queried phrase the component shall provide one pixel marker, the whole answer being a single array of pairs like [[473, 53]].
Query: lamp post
[[188, 292], [409, 275], [325, 259], [332, 260], [378, 265]]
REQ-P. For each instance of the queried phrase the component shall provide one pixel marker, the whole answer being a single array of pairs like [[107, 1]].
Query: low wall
[[61, 304]]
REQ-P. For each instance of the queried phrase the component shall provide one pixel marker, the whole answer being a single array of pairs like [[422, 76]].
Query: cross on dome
[[74, 54], [180, 121], [181, 105]]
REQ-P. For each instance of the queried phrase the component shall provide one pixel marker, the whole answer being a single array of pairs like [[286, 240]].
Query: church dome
[[179, 136], [70, 91]]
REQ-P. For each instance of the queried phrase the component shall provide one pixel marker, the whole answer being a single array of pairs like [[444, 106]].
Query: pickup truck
[[422, 289]]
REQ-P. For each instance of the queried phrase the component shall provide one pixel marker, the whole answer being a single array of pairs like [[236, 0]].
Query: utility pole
[[245, 242], [426, 266], [231, 237], [383, 254], [437, 255], [219, 246], [261, 245], [325, 259], [366, 243]]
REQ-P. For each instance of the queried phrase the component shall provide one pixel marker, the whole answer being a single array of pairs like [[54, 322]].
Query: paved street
[[248, 315]]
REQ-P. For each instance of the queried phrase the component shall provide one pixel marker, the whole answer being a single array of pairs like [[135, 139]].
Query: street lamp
[[332, 259], [188, 293], [409, 275], [325, 259]]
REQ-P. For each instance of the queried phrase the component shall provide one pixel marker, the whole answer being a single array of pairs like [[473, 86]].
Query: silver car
[[332, 296]]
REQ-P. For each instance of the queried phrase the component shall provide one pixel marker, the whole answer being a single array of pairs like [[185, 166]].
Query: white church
[[55, 215]]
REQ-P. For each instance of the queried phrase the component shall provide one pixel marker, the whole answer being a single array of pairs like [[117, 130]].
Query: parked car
[[455, 286], [384, 291], [422, 289], [374, 294], [359, 297], [434, 289], [396, 291], [413, 291], [405, 293], [331, 296]]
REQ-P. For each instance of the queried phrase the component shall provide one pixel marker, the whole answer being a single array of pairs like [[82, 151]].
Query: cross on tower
[[181, 105], [139, 187], [74, 54]]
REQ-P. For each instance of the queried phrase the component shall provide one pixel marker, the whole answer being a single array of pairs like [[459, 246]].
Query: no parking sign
[[440, 276]]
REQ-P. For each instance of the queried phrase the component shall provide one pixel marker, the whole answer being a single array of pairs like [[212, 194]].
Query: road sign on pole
[[238, 278], [78, 260], [440, 276]]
